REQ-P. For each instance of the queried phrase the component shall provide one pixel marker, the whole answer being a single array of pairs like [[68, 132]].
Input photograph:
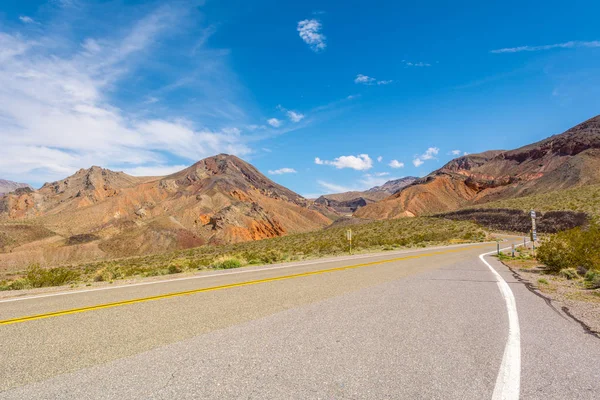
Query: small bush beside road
[[577, 248]]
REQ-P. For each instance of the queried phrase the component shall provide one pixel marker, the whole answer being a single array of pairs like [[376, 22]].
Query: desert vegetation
[[573, 253], [515, 220], [372, 236], [584, 199]]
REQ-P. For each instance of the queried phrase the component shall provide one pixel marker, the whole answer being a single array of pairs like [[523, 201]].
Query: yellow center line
[[221, 287]]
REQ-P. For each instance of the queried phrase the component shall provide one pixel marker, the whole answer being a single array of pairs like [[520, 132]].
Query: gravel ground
[[568, 295]]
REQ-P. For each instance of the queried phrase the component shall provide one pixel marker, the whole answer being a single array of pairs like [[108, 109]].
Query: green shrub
[[174, 269], [576, 248], [569, 273], [592, 279], [227, 263], [42, 277]]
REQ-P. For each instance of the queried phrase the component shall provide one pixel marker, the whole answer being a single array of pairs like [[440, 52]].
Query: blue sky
[[322, 96]]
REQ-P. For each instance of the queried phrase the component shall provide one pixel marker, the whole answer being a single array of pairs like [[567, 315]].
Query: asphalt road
[[426, 324]]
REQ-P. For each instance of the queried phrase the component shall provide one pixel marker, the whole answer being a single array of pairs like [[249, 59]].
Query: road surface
[[422, 324]]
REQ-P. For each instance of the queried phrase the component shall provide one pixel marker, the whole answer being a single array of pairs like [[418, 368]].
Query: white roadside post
[[533, 230], [349, 237]]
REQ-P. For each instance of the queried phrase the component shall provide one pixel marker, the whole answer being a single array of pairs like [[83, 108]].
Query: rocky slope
[[10, 186], [220, 199], [567, 160]]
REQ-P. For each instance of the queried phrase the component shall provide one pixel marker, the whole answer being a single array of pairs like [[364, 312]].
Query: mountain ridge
[[561, 161]]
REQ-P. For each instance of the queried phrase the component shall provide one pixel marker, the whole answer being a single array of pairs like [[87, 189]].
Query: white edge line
[[322, 261], [508, 382]]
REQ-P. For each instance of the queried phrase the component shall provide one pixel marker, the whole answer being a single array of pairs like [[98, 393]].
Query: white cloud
[[295, 116], [417, 162], [381, 173], [369, 181], [282, 171], [396, 164], [361, 162], [368, 80], [274, 122], [364, 79], [379, 159], [333, 187], [154, 170], [27, 20], [56, 115], [455, 152], [566, 45], [151, 100], [310, 31], [430, 153], [416, 64]]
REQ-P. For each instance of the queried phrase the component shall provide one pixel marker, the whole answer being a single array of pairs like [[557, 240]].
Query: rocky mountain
[[567, 160], [349, 202], [10, 186], [103, 213], [393, 186]]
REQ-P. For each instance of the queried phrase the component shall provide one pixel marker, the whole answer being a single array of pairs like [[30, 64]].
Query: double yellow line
[[229, 286]]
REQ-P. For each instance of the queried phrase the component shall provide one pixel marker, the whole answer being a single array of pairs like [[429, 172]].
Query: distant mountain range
[[10, 186], [349, 202], [563, 161]]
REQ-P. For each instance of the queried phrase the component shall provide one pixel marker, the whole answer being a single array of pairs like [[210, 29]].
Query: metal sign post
[[349, 238]]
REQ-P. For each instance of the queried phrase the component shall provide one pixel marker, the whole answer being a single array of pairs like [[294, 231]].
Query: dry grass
[[372, 236]]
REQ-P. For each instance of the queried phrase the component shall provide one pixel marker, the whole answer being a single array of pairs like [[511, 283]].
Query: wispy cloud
[[333, 187], [415, 64], [565, 45], [429, 154], [368, 80], [310, 31], [380, 159], [361, 162], [27, 20], [396, 164], [154, 170], [455, 152], [282, 171], [274, 122], [57, 114], [295, 116]]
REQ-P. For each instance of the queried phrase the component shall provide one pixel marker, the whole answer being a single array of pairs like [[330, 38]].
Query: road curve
[[429, 323]]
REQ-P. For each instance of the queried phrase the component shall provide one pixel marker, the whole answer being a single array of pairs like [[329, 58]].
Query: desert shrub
[[174, 269], [569, 273], [42, 277], [575, 248], [592, 279], [518, 220], [80, 239], [226, 263]]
